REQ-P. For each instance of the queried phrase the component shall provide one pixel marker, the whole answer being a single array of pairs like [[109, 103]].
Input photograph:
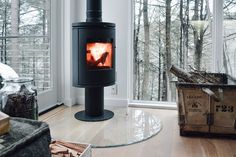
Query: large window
[[25, 39], [179, 32], [229, 46]]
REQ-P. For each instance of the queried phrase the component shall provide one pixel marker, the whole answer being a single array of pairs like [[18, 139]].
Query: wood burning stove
[[93, 61]]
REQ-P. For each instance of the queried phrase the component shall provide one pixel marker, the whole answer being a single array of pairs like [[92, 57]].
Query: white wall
[[115, 11]]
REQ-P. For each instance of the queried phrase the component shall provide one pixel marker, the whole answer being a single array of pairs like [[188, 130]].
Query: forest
[[178, 32], [25, 39], [166, 32]]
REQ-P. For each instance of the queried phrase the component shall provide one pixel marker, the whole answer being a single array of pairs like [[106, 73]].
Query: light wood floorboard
[[167, 143]]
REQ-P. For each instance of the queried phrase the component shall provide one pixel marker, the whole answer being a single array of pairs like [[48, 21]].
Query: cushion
[[27, 138]]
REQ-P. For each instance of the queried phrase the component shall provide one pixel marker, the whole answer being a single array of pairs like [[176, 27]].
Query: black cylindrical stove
[[93, 61]]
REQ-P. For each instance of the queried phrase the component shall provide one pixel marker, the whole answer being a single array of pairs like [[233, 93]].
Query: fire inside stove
[[99, 55]]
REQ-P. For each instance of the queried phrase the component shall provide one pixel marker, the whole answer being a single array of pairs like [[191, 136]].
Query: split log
[[59, 148], [182, 74], [190, 78], [71, 146], [4, 123], [205, 77], [195, 77]]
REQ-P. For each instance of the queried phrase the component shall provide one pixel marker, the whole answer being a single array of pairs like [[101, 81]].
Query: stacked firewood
[[195, 76], [66, 149], [198, 77]]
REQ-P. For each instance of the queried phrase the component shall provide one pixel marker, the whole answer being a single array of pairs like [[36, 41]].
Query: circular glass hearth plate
[[128, 126]]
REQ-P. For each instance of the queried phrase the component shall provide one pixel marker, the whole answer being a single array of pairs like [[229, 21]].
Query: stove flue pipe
[[94, 11]]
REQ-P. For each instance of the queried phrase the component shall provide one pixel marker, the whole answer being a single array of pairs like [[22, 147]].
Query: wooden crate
[[201, 113], [86, 149]]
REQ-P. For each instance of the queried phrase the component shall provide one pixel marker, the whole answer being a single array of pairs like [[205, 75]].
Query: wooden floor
[[167, 143]]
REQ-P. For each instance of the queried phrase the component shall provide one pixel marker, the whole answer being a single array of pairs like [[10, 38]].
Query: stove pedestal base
[[94, 106], [82, 116]]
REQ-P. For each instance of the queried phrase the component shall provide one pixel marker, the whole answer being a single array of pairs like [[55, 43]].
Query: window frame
[[50, 97], [217, 36], [217, 47]]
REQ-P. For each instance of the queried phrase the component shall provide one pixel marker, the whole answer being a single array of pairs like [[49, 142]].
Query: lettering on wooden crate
[[224, 108], [194, 97], [195, 106]]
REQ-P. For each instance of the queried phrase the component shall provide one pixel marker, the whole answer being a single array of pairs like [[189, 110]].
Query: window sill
[[154, 105]]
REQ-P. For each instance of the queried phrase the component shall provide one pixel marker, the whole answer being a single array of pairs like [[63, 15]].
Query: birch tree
[[137, 26], [167, 64]]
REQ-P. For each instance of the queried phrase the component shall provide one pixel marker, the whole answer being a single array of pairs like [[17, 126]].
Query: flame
[[99, 54]]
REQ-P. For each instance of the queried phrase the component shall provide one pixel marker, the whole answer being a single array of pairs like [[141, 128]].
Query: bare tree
[[167, 64], [226, 60], [159, 59], [4, 33], [198, 32], [145, 85], [136, 84], [181, 47], [15, 9], [186, 33]]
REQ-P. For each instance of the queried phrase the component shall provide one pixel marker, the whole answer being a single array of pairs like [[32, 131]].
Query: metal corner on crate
[[235, 124], [87, 152], [181, 120]]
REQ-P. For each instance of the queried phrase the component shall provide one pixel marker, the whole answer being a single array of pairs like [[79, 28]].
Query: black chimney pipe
[[94, 11]]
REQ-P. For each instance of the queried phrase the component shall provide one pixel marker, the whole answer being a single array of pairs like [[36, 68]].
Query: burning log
[[102, 60], [197, 77]]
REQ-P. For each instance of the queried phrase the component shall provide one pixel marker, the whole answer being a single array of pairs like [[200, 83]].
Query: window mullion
[[218, 36]]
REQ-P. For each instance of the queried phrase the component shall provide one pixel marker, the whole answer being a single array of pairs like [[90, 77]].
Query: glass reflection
[[128, 126]]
